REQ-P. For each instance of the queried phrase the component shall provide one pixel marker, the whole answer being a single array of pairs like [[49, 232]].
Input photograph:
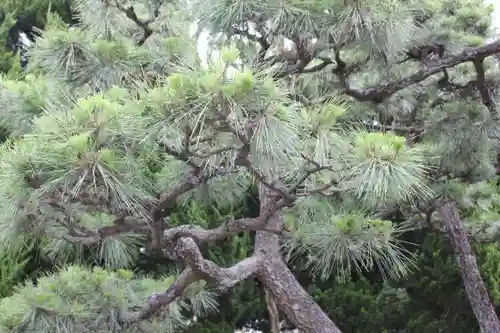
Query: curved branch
[[197, 268], [157, 301], [380, 92], [170, 236], [223, 279], [120, 226], [231, 227]]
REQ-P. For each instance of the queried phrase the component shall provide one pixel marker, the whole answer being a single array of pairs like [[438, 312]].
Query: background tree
[[17, 15], [142, 118]]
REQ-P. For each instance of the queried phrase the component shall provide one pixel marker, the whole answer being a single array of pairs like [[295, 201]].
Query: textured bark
[[272, 309], [474, 285], [296, 303], [290, 297]]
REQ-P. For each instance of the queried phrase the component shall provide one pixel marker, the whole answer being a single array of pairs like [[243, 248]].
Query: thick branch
[[223, 278], [474, 285], [197, 268], [272, 309], [199, 234], [231, 227], [292, 299], [157, 301], [287, 293], [380, 92]]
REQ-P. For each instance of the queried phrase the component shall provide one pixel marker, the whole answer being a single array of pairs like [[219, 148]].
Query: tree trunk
[[272, 309], [474, 285], [293, 301]]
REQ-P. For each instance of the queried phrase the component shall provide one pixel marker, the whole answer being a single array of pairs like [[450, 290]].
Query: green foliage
[[490, 269], [360, 306], [22, 100], [348, 243], [14, 258], [426, 300], [98, 300], [433, 290]]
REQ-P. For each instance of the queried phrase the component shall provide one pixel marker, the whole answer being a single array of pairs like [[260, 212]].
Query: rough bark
[[272, 309], [290, 297], [474, 285]]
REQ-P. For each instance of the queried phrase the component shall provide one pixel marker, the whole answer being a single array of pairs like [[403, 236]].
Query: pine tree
[[339, 114]]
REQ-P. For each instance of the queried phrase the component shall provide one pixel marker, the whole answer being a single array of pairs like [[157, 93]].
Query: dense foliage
[[119, 134]]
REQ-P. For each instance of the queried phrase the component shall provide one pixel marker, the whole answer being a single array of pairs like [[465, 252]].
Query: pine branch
[[182, 243], [131, 224], [171, 235], [379, 93], [282, 197], [197, 268], [230, 227], [156, 301], [155, 222], [120, 226], [188, 251], [474, 285]]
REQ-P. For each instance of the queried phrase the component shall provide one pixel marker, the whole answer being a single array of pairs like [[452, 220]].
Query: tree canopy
[[336, 116]]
